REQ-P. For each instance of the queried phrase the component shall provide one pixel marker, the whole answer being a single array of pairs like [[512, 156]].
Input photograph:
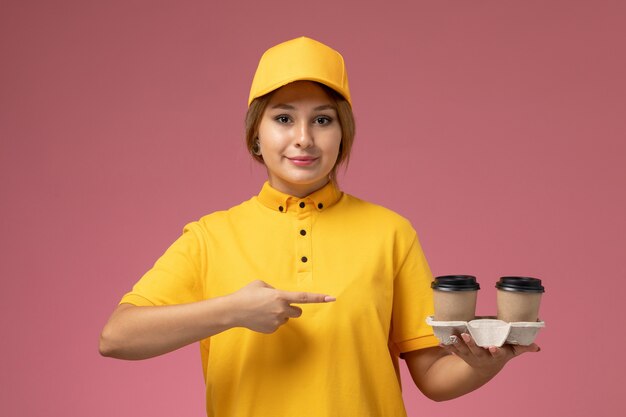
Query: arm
[[135, 332], [447, 372]]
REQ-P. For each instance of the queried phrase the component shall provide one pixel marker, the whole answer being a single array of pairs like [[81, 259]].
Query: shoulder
[[379, 212], [221, 219], [376, 215]]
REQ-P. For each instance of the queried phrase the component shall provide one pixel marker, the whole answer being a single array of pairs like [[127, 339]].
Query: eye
[[323, 120], [282, 119]]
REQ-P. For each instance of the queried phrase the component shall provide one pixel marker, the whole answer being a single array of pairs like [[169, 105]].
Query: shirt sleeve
[[175, 278], [412, 303]]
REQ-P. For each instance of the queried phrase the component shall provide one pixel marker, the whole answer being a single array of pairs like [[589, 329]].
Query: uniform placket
[[304, 261]]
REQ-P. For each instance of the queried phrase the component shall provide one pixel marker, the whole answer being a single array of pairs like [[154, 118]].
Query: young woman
[[303, 298]]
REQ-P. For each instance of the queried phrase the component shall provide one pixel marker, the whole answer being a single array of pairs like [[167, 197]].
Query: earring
[[256, 148]]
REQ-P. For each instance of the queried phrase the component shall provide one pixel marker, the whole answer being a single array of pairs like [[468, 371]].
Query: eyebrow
[[290, 107]]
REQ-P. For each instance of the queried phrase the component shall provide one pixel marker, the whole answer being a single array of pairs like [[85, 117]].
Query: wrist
[[230, 311]]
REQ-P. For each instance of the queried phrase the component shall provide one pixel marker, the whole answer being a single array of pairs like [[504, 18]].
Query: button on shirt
[[338, 358]]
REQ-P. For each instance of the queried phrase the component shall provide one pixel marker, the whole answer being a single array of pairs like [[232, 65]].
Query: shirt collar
[[320, 199]]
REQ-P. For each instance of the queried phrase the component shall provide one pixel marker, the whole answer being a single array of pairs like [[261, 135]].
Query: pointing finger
[[305, 297]]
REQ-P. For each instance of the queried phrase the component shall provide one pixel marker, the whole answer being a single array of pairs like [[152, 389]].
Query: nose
[[304, 137]]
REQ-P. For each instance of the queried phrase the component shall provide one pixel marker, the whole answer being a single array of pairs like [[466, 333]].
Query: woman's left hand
[[487, 361]]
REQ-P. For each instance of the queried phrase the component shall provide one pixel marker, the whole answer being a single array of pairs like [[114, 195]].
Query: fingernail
[[328, 299], [465, 337]]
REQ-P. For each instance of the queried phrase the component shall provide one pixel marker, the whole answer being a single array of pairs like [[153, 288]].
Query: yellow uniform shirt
[[337, 359]]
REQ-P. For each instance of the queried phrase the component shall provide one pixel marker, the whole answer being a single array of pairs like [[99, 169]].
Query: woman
[[303, 298]]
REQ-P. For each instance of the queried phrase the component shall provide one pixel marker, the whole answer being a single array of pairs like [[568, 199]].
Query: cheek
[[271, 139], [270, 130], [334, 143]]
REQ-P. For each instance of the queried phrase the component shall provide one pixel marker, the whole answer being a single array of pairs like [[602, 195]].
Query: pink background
[[498, 127]]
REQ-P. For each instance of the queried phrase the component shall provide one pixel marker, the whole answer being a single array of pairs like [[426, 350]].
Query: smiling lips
[[302, 160]]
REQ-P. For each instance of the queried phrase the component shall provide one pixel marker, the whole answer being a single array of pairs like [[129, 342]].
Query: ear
[[256, 148]]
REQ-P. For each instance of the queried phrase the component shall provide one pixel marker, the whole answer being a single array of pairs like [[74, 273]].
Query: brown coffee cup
[[518, 299], [454, 297]]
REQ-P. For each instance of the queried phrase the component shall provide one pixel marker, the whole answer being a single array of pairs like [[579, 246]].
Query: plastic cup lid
[[455, 283], [520, 284]]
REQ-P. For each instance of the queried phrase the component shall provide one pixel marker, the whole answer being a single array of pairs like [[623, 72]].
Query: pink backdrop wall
[[497, 127]]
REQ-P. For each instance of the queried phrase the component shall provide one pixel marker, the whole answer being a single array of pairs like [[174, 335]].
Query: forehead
[[300, 91]]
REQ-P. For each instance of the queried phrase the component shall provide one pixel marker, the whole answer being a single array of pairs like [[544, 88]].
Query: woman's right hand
[[134, 332], [260, 307]]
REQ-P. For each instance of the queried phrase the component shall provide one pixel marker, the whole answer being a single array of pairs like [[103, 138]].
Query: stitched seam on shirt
[[427, 345], [198, 230], [132, 294], [406, 255]]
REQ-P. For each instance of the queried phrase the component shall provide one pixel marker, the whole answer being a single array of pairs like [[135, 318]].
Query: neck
[[297, 190]]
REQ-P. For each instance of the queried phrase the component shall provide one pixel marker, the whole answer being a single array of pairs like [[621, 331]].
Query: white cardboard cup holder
[[487, 331]]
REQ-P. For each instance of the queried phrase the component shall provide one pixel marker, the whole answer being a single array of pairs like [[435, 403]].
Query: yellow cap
[[300, 59]]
